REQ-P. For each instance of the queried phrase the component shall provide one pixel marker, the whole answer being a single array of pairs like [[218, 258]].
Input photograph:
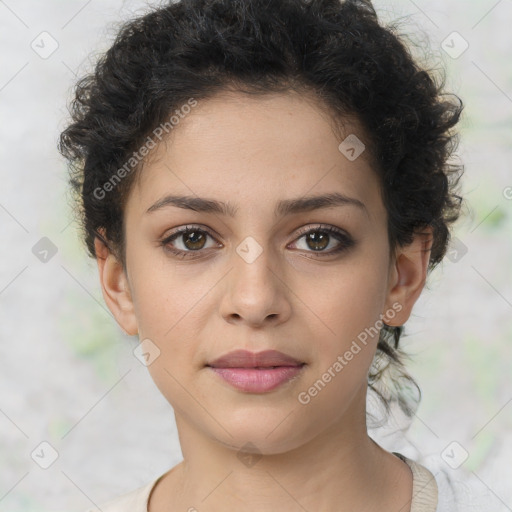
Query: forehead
[[272, 146]]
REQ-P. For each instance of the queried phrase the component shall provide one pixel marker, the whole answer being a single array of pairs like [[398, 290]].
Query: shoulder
[[133, 501], [425, 492], [433, 491]]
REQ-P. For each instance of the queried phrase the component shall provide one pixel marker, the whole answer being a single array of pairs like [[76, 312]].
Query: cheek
[[345, 327], [169, 302], [164, 298], [347, 301], [346, 332], [170, 319]]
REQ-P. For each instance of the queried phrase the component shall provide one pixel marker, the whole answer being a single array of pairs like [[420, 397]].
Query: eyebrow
[[283, 208]]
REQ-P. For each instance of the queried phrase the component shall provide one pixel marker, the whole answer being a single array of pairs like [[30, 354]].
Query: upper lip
[[247, 359]]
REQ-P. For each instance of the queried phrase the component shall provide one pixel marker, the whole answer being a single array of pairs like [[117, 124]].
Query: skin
[[253, 152]]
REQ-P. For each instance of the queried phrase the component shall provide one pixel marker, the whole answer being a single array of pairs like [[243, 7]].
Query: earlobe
[[115, 288], [408, 277]]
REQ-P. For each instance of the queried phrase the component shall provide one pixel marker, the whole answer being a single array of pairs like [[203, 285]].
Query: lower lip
[[258, 380]]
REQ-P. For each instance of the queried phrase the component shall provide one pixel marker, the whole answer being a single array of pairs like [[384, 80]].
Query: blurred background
[[80, 419]]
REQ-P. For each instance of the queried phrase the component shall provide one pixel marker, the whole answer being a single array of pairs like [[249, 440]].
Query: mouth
[[258, 360], [258, 379], [256, 367], [256, 372]]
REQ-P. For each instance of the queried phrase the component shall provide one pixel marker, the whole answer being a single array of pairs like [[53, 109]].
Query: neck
[[342, 469]]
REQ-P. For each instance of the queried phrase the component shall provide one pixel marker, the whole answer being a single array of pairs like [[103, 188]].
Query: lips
[[247, 359], [257, 372]]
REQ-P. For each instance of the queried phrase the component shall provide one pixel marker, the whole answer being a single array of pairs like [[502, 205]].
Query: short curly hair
[[338, 50]]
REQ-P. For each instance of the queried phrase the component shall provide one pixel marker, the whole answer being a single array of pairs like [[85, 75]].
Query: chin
[[261, 434]]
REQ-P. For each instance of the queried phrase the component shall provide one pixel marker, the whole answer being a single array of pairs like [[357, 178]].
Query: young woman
[[265, 188]]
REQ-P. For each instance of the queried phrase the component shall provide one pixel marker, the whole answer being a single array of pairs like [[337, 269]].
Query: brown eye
[[193, 240], [318, 239], [188, 240]]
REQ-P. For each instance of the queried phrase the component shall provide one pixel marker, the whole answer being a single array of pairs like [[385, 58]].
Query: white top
[[424, 494]]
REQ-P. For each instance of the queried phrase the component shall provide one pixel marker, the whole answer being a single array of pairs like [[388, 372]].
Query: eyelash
[[346, 242]]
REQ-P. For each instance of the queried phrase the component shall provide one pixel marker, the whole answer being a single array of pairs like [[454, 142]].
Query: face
[[260, 276]]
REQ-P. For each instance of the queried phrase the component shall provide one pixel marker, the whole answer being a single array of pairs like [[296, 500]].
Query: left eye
[[317, 239], [320, 237], [192, 238]]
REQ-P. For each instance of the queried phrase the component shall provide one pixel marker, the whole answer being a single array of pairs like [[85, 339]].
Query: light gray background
[[67, 373]]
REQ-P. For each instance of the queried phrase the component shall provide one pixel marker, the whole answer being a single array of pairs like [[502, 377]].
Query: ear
[[115, 287], [407, 277]]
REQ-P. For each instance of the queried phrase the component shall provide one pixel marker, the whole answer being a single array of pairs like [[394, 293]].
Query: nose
[[256, 290]]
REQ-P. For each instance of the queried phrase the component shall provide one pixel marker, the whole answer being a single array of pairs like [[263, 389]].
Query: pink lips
[[256, 372]]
